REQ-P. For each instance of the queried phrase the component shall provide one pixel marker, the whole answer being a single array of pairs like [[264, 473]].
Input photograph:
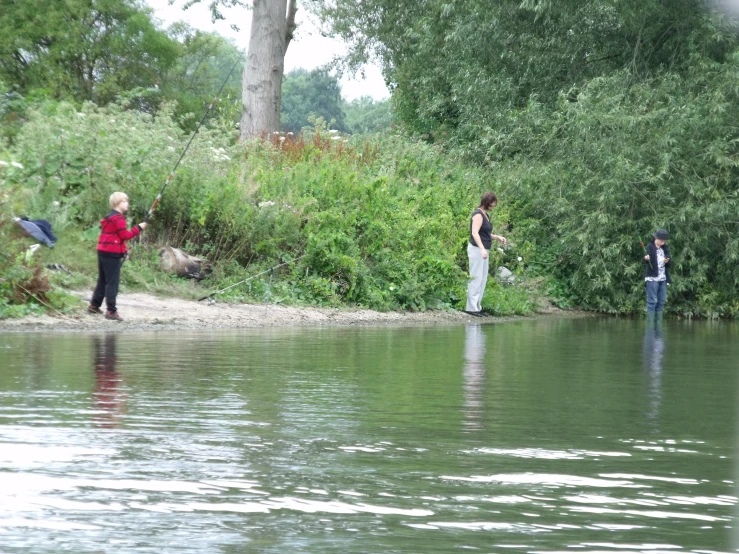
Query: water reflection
[[108, 394], [654, 348], [474, 377], [342, 440]]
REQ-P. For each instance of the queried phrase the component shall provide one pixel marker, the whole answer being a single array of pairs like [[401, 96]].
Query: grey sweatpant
[[479, 274]]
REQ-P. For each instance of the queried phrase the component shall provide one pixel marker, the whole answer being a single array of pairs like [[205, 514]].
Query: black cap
[[661, 234]]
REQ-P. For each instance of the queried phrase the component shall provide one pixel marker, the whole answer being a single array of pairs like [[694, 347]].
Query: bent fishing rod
[[645, 251], [250, 278], [171, 174]]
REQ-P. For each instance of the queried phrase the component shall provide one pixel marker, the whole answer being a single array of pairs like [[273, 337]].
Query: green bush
[[24, 284], [618, 163]]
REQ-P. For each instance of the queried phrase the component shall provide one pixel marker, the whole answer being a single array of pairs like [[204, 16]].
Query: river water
[[553, 435]]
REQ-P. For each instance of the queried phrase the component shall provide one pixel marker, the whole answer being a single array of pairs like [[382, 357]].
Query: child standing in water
[[657, 272], [111, 252]]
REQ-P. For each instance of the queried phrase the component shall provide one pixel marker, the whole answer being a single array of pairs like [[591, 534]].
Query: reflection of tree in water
[[474, 377], [108, 395], [654, 347]]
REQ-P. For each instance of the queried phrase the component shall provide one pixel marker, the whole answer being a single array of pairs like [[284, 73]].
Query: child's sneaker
[[113, 315], [94, 309]]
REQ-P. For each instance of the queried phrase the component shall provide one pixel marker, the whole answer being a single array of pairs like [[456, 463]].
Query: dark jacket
[[651, 269], [114, 234], [40, 229]]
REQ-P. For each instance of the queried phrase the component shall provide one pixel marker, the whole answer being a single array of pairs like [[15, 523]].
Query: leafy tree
[[272, 28], [311, 94], [82, 49], [599, 120], [460, 65], [204, 63], [367, 115]]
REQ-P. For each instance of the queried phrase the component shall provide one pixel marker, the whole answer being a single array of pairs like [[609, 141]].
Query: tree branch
[[292, 8]]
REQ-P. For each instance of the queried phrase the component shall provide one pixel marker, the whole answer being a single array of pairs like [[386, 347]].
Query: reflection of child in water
[[108, 397]]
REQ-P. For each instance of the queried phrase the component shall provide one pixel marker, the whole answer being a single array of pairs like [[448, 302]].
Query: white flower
[[392, 287], [170, 138], [282, 139], [520, 259], [290, 133], [500, 250], [170, 148], [80, 114], [222, 150], [266, 203], [56, 203], [333, 131], [16, 164], [275, 132], [335, 138], [226, 158]]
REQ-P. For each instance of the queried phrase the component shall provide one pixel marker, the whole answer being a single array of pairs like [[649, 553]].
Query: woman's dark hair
[[488, 200]]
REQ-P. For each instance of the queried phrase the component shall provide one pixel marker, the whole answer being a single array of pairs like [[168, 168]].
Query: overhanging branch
[[292, 8]]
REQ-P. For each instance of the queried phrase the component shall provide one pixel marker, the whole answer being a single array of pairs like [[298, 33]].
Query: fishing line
[[252, 277]]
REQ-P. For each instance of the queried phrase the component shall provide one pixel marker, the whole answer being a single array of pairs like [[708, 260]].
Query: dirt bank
[[146, 312]]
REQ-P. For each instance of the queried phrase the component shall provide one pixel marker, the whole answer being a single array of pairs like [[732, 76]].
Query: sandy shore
[[146, 312]]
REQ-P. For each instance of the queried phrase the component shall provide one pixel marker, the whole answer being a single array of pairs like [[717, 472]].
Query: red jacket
[[114, 234]]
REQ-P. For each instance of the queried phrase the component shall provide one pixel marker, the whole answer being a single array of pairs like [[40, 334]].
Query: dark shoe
[[476, 314], [113, 315], [94, 309]]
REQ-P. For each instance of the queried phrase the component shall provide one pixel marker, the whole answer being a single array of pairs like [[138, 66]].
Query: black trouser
[[109, 275]]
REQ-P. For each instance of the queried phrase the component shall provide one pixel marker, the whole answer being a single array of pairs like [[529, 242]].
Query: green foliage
[[82, 49], [24, 284], [366, 115], [458, 66], [202, 66], [600, 120], [308, 95], [12, 111], [508, 300], [381, 223], [622, 161]]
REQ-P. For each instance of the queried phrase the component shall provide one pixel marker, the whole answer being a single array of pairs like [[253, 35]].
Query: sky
[[307, 50]]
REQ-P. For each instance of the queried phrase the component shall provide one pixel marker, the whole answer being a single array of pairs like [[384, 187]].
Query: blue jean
[[656, 295]]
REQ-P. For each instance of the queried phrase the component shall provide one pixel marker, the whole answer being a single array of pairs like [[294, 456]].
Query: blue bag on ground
[[40, 229]]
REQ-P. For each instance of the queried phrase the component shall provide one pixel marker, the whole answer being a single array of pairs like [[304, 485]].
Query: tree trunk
[[273, 22]]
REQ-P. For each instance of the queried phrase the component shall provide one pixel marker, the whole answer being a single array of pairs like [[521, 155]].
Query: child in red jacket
[[111, 253]]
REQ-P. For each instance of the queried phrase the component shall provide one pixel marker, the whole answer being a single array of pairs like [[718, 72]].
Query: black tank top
[[486, 230]]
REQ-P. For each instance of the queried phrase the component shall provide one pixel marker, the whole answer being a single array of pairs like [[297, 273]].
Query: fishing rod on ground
[[171, 174], [250, 278], [645, 251]]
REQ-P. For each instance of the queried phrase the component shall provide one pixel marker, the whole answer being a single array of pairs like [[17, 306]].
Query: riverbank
[[143, 312]]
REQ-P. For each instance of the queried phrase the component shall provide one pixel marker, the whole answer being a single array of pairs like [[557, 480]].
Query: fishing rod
[[171, 174], [645, 251], [250, 278]]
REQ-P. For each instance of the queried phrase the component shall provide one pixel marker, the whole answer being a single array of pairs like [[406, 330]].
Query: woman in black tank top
[[481, 240]]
